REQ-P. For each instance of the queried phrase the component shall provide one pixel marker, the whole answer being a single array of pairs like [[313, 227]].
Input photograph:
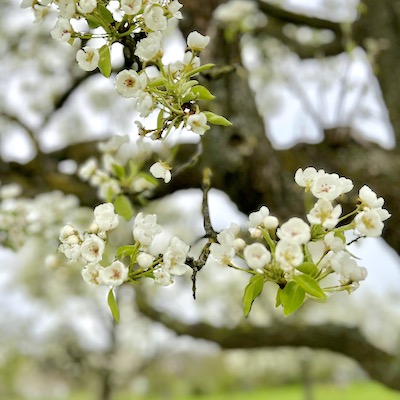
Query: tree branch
[[348, 341]]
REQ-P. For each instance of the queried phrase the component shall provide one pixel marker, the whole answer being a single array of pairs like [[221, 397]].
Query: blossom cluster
[[23, 218], [119, 169], [130, 262], [310, 258], [171, 89]]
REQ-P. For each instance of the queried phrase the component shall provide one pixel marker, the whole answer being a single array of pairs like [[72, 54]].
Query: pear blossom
[[92, 249], [325, 214], [162, 277], [115, 274], [343, 264], [105, 217], [198, 123], [149, 48], [307, 177], [174, 8], [144, 104], [145, 228], [256, 218], [327, 186], [333, 242], [369, 223], [145, 260], [155, 19], [66, 8], [131, 7], [369, 200], [196, 41], [161, 170], [88, 58], [295, 230], [175, 257], [86, 6], [222, 253], [129, 83], [91, 274], [62, 30], [257, 256], [289, 255], [88, 169], [10, 191]]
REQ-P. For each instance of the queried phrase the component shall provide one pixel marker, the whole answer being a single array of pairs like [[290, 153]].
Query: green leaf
[[129, 250], [119, 171], [160, 120], [112, 303], [105, 61], [308, 268], [278, 301], [310, 285], [292, 296], [216, 119], [106, 16], [200, 69], [201, 93], [157, 82], [253, 289], [123, 207], [93, 21]]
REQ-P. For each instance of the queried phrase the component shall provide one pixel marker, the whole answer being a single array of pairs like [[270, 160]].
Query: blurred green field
[[360, 391]]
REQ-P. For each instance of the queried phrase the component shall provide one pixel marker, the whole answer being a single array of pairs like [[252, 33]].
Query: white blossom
[[149, 48], [327, 186], [222, 253], [295, 230], [66, 8], [257, 256], [161, 170], [174, 8], [91, 274], [62, 30], [196, 41], [145, 260], [129, 83], [288, 254], [369, 223], [162, 277], [88, 58], [333, 242], [86, 7], [307, 177], [144, 104], [198, 123], [155, 19], [115, 274], [92, 249], [369, 198], [256, 218], [88, 169], [131, 7], [347, 267], [175, 256], [105, 217], [325, 214], [145, 228]]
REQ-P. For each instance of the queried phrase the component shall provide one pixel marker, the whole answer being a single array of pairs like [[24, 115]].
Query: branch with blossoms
[[304, 260]]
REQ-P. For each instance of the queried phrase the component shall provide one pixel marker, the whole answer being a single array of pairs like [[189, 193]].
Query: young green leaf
[[112, 303], [201, 93], [278, 301], [105, 61], [292, 296], [217, 119], [308, 268], [118, 171], [105, 15], [310, 285], [253, 289], [123, 207], [129, 250], [93, 21]]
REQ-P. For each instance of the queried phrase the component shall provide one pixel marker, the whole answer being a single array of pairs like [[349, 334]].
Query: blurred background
[[57, 338]]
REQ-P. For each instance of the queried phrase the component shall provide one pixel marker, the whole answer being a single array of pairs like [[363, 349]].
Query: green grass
[[359, 391]]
